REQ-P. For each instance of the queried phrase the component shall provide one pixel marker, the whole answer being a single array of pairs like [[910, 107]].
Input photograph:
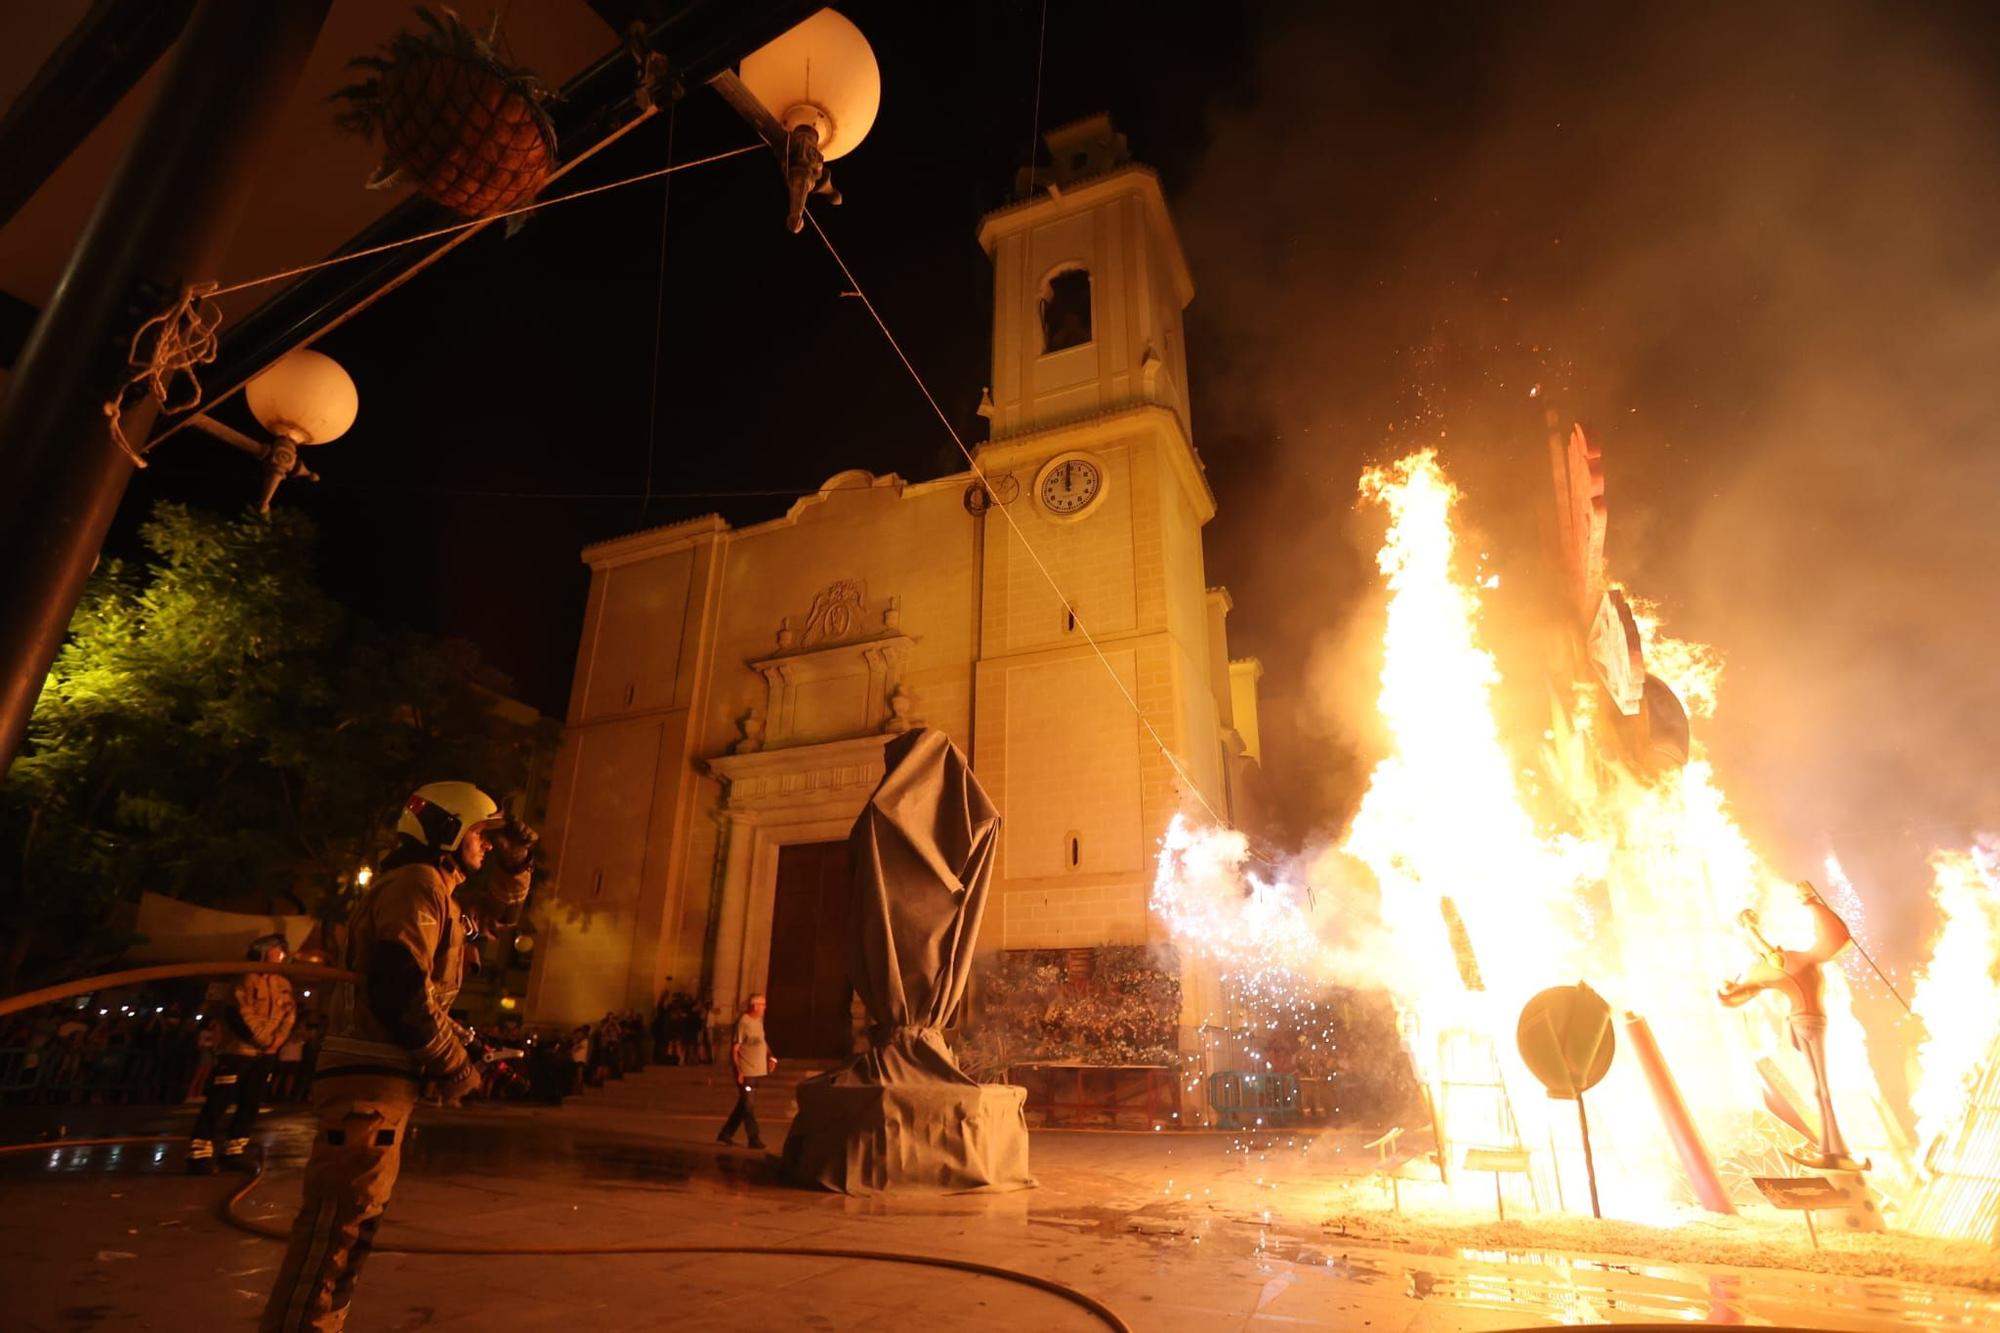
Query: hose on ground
[[233, 1214]]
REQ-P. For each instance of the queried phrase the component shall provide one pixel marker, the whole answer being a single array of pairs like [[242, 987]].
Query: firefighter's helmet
[[438, 814], [261, 947]]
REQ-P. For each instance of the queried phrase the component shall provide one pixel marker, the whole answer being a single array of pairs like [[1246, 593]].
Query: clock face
[[1070, 485]]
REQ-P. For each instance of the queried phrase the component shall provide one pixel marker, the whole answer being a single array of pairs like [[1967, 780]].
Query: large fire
[[1481, 868]]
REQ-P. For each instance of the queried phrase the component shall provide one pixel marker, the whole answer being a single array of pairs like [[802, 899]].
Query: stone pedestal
[[941, 1138]]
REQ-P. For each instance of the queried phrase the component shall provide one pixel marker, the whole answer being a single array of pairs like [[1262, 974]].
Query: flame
[[1501, 869], [1958, 994]]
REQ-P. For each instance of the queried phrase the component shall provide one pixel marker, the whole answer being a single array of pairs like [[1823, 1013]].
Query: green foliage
[[218, 729]]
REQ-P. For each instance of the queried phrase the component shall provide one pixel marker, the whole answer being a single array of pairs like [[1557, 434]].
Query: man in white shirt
[[751, 1059]]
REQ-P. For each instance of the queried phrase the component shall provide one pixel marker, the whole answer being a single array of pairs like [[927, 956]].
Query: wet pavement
[[1171, 1231]]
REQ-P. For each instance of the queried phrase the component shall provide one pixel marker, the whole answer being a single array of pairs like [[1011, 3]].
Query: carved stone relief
[[838, 676], [836, 613]]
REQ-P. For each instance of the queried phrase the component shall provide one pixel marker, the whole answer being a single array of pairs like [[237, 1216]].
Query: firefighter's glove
[[515, 844]]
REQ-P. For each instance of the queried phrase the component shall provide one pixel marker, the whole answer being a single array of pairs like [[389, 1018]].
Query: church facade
[[735, 686]]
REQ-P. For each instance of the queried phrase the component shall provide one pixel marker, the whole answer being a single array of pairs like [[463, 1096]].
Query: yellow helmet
[[439, 813]]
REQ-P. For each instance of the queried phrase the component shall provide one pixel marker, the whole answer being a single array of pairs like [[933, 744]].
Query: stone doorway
[[807, 988]]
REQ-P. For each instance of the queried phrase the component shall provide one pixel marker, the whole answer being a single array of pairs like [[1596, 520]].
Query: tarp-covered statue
[[902, 1115]]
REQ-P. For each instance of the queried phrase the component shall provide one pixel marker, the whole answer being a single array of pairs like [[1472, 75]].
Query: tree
[[218, 729]]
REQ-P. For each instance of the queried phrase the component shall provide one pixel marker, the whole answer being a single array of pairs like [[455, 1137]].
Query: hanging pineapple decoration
[[457, 122]]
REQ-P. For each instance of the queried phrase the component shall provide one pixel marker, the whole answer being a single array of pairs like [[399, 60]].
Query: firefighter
[[252, 1018], [461, 869]]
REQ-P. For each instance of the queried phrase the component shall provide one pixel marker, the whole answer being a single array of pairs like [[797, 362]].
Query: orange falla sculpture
[[1795, 974]]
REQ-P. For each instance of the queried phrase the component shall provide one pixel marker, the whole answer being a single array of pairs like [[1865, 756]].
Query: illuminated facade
[[734, 686]]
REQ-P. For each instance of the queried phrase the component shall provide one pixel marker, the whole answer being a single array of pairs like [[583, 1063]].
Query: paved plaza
[[1171, 1232]]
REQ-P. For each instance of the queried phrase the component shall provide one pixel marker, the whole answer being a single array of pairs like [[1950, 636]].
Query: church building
[[735, 686]]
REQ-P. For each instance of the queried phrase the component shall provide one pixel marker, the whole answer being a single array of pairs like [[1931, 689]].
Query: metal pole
[[108, 51], [165, 219], [1589, 1163]]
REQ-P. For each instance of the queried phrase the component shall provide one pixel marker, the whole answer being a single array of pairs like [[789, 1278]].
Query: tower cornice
[[1085, 192]]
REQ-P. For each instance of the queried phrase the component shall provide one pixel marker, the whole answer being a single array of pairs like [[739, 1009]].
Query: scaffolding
[[1961, 1200]]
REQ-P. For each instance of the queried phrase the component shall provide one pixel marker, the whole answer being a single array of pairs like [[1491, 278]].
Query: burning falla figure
[[1796, 974]]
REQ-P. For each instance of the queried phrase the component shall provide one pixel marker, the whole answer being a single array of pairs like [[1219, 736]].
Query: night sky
[[1753, 247], [527, 365]]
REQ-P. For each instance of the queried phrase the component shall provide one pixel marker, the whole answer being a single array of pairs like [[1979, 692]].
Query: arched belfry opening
[[1066, 309]]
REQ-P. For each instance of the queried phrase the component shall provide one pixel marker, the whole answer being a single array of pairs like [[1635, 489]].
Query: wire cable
[[488, 220], [854, 285], [659, 314], [1859, 947], [1035, 126], [572, 495]]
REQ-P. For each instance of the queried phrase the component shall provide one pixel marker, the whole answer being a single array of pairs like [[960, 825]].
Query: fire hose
[[233, 1214], [14, 1004]]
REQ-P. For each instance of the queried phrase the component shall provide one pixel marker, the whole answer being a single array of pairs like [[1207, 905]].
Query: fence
[[54, 1075]]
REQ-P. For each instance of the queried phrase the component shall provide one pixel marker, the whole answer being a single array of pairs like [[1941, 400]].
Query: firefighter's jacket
[[407, 936], [255, 1013]]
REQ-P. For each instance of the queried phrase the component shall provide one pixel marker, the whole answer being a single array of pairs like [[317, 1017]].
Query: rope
[[183, 336], [854, 284]]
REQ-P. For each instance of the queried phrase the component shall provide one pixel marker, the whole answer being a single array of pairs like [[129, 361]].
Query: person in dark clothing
[[663, 1030], [253, 1019]]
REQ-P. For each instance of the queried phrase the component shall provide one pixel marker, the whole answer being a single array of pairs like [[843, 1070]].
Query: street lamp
[[302, 398], [821, 76], [813, 94]]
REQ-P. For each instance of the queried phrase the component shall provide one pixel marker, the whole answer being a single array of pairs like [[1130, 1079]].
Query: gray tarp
[[902, 1115]]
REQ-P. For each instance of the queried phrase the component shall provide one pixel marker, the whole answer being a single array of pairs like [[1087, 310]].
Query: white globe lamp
[[823, 74], [305, 397]]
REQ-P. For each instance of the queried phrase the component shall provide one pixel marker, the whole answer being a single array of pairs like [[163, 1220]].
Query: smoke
[[1752, 248]]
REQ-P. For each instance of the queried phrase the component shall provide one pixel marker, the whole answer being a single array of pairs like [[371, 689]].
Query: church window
[[1066, 310]]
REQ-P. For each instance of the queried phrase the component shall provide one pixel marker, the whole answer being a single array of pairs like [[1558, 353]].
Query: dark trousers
[[745, 1113], [238, 1083]]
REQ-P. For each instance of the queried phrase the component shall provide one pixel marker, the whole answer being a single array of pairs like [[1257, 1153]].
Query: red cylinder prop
[[1700, 1167]]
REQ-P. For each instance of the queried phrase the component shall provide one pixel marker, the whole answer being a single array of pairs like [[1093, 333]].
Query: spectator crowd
[[145, 1050], [155, 1049]]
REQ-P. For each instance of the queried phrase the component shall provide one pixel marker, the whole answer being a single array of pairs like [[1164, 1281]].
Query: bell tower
[[1088, 287], [1098, 700]]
